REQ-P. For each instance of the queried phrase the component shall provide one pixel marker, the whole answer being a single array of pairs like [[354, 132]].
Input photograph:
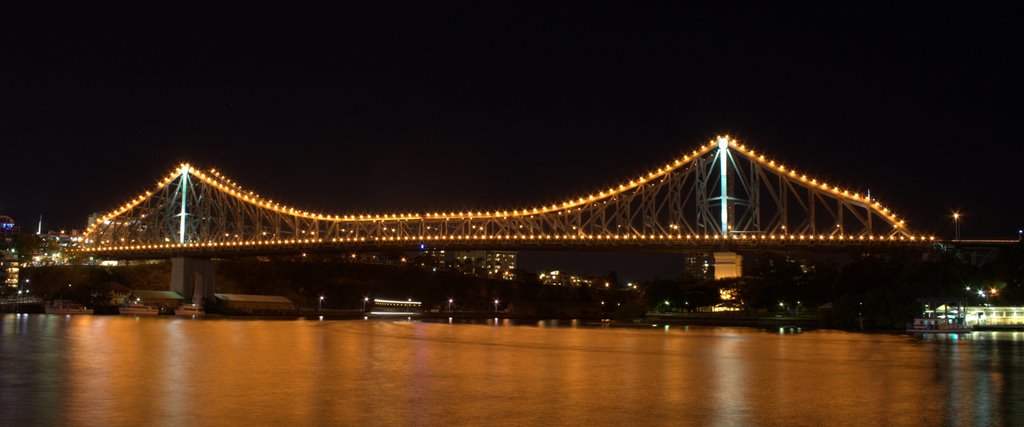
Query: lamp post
[[320, 305], [450, 305], [365, 300], [495, 305], [956, 225]]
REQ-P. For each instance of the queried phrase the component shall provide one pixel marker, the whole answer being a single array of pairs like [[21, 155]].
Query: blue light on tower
[[184, 193], [723, 155]]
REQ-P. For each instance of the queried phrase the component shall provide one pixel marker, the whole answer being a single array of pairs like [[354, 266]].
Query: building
[[261, 305], [166, 300], [9, 264], [697, 266], [55, 248], [486, 263], [500, 263], [433, 258], [985, 315], [11, 268], [564, 278], [118, 293]]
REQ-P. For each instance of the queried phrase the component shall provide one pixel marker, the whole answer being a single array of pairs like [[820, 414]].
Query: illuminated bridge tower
[[728, 264], [183, 217]]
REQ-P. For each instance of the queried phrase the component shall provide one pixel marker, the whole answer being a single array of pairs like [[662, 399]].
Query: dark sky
[[384, 107]]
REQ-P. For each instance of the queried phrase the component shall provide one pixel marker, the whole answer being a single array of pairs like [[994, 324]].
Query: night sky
[[383, 107]]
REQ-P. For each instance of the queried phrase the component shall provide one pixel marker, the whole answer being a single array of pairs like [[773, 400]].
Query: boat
[[189, 310], [138, 309], [948, 316], [60, 306], [938, 325]]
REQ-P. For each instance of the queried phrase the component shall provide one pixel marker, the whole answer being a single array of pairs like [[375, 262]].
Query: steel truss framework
[[722, 194]]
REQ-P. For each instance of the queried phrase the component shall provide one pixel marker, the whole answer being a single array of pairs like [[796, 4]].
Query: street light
[[956, 225], [365, 300], [495, 305], [321, 304], [450, 304]]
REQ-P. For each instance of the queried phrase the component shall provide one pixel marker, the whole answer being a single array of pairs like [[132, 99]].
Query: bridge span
[[720, 197], [722, 193]]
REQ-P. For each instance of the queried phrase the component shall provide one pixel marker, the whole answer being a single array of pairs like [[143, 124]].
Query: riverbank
[[731, 319], [682, 319]]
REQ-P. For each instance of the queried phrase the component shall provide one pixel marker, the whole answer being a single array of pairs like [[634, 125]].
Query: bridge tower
[[193, 279], [728, 264], [190, 277]]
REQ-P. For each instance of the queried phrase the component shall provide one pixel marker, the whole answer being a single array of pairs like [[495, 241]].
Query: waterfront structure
[[164, 300], [984, 315], [254, 304], [383, 306]]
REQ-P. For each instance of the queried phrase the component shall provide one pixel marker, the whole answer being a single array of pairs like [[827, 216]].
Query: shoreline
[[652, 320]]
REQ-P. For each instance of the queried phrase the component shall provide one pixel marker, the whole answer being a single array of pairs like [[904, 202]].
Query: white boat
[[60, 306], [938, 325], [189, 310], [138, 309], [949, 316]]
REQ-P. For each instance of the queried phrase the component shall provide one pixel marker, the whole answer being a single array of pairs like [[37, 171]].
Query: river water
[[119, 370]]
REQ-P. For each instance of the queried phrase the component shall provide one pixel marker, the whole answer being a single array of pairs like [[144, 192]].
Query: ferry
[[139, 309], [938, 325], [388, 307], [189, 310], [948, 316], [60, 306]]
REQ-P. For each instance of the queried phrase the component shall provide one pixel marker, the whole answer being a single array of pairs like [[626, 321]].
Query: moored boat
[[138, 309], [189, 310], [60, 306], [941, 316], [935, 325]]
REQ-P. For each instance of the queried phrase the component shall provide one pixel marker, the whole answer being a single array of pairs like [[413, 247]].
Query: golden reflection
[[119, 370]]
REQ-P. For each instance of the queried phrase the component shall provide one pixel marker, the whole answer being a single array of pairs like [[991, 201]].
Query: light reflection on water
[[117, 370]]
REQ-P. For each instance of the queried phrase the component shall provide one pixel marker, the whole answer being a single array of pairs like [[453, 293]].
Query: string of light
[[677, 238], [215, 179]]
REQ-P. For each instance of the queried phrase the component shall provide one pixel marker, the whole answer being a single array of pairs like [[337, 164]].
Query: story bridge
[[721, 197]]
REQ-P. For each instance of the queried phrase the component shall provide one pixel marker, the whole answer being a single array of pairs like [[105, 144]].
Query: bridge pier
[[728, 265], [193, 279]]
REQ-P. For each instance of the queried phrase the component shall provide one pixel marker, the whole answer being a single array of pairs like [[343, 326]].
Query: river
[[119, 370]]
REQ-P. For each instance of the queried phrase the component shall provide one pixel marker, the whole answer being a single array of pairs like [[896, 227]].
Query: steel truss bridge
[[720, 196]]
